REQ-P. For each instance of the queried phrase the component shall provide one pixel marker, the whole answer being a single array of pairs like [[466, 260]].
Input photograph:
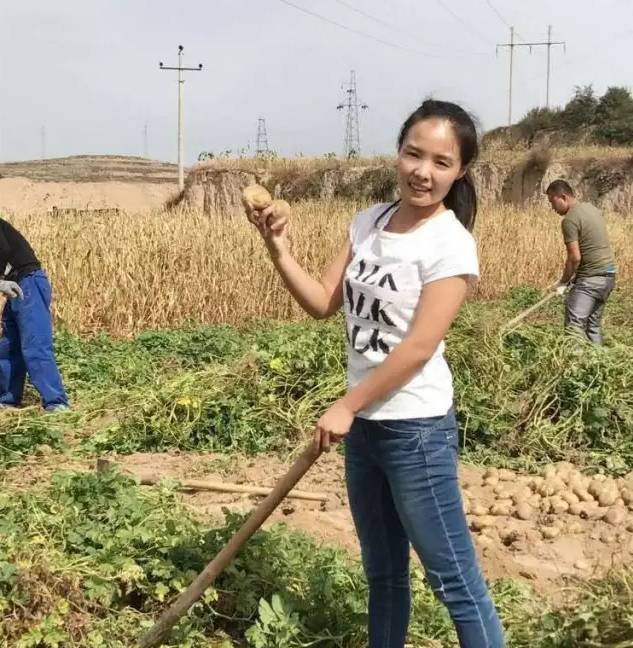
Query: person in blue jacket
[[27, 342]]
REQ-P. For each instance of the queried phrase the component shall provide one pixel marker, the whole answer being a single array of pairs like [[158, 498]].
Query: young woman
[[402, 277]]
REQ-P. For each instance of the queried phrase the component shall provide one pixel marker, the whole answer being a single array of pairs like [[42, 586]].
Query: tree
[[580, 109], [539, 119], [614, 117]]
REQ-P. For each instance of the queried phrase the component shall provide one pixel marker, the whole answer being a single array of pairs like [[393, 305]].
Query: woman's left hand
[[333, 425]]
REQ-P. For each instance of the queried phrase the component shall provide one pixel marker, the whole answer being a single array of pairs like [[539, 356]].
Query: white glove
[[11, 289], [561, 289]]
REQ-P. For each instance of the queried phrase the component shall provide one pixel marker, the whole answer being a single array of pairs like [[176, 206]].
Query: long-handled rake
[[206, 577], [528, 311]]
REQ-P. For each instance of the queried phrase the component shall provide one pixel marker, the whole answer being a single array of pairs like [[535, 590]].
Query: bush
[[614, 117], [580, 111]]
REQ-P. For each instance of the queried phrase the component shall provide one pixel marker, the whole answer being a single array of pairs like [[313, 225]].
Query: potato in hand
[[255, 198]]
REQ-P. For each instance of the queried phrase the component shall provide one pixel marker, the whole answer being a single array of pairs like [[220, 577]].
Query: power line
[[502, 19], [358, 31], [498, 14], [380, 21], [394, 27], [463, 22], [597, 50]]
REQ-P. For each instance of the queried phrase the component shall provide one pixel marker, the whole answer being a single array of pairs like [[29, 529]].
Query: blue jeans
[[27, 345], [403, 488]]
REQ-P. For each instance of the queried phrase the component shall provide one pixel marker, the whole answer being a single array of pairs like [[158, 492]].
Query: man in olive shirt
[[590, 263]]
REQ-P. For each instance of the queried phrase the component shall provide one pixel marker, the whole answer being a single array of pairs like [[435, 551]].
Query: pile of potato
[[561, 490]]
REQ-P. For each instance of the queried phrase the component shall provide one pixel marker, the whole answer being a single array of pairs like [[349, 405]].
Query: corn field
[[126, 273]]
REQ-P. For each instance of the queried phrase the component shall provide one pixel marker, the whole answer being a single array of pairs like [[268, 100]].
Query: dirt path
[[546, 549]]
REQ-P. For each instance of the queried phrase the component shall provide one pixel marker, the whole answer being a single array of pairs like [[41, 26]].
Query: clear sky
[[87, 70]]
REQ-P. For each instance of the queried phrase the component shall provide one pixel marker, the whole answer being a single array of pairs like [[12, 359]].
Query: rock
[[583, 565]]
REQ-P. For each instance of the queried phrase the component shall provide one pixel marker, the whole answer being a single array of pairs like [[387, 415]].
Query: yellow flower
[[277, 364]]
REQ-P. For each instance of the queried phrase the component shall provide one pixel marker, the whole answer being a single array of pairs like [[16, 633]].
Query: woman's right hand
[[272, 224]]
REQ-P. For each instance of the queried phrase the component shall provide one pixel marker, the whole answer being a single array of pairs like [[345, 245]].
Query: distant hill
[[92, 168]]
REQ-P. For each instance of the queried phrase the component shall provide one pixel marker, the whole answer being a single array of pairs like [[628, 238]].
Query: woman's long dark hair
[[462, 197]]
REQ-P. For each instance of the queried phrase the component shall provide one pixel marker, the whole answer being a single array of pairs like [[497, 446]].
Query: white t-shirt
[[383, 284]]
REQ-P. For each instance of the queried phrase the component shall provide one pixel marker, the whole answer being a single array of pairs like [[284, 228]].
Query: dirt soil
[[85, 182], [547, 550], [22, 195]]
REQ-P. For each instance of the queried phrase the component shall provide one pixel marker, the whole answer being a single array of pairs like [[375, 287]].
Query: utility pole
[[181, 82], [511, 45], [43, 142], [262, 138], [352, 129], [550, 43], [145, 142]]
